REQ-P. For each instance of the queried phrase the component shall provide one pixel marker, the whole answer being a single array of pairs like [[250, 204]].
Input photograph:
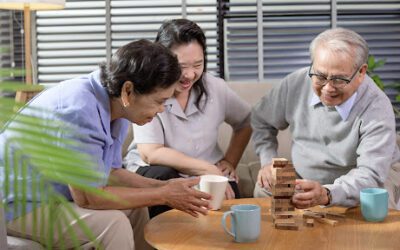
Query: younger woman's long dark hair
[[178, 32]]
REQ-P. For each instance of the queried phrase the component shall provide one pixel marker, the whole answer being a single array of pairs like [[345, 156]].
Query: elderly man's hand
[[310, 193], [180, 194], [264, 178]]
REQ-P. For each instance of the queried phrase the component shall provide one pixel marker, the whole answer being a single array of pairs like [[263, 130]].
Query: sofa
[[249, 164]]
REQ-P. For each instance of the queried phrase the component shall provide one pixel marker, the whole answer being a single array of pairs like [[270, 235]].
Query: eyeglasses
[[336, 82]]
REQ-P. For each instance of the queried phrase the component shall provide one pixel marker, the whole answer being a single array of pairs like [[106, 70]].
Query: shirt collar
[[343, 109], [172, 105], [103, 100]]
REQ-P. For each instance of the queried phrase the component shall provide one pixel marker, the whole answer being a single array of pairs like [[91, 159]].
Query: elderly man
[[342, 125]]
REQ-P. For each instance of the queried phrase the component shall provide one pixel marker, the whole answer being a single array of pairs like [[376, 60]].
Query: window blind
[[70, 42], [11, 41], [287, 30], [73, 41], [288, 27], [5, 39]]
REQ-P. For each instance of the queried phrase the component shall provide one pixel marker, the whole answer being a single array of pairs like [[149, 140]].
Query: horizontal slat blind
[[241, 40], [204, 13], [70, 42], [137, 19], [379, 23], [5, 38], [132, 20], [288, 28], [11, 41]]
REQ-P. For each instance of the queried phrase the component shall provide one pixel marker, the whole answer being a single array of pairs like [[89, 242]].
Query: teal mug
[[374, 204], [245, 222]]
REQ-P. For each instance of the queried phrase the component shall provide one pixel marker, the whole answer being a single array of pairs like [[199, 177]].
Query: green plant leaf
[[38, 157], [11, 72], [378, 82], [17, 86], [380, 63]]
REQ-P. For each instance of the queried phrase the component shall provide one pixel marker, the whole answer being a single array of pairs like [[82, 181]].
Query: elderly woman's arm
[[176, 193], [158, 154]]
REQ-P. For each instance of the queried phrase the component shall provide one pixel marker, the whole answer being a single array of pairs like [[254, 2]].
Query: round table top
[[177, 230]]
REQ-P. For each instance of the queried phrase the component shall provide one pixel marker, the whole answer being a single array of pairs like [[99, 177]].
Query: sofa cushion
[[247, 173]]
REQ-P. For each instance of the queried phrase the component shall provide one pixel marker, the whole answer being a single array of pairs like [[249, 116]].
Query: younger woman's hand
[[227, 170]]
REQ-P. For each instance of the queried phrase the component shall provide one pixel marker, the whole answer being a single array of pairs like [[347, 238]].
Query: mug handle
[[224, 223]]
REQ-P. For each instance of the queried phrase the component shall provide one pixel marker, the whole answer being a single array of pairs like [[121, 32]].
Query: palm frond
[[37, 157]]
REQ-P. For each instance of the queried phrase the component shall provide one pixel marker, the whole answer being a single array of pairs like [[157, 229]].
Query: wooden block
[[320, 219], [284, 206], [287, 226], [283, 221], [281, 209], [289, 180], [283, 196], [288, 166], [280, 192], [284, 186], [308, 222], [278, 162], [274, 216], [281, 201], [284, 172], [284, 213], [311, 214]]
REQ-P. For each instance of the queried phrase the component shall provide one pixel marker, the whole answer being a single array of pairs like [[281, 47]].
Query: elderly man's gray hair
[[341, 40]]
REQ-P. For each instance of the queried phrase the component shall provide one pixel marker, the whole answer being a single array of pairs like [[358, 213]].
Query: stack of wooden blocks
[[283, 187]]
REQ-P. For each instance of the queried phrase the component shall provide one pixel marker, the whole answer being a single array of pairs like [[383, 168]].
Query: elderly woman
[[183, 138], [133, 88]]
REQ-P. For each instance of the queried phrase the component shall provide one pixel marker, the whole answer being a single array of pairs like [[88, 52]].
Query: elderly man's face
[[332, 66]]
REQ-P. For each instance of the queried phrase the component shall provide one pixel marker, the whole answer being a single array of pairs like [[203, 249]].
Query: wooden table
[[177, 230]]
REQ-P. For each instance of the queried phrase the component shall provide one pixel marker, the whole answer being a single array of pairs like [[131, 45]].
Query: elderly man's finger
[[304, 196], [302, 203]]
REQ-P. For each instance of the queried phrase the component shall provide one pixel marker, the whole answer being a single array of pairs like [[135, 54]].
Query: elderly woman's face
[[334, 65], [143, 108]]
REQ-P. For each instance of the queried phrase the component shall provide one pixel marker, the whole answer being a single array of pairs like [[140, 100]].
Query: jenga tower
[[283, 186]]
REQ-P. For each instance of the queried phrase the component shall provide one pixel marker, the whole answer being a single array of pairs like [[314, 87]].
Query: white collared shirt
[[192, 131], [343, 109]]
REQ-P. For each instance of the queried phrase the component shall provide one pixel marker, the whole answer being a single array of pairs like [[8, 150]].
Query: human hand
[[180, 194], [227, 170], [312, 194], [264, 177]]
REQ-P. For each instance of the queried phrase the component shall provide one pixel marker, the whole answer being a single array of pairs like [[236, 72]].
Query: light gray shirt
[[192, 131], [345, 155]]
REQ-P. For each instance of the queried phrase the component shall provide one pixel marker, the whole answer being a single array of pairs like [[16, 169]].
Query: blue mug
[[245, 222], [374, 204]]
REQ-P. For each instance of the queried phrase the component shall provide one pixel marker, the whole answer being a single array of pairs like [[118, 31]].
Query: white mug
[[216, 186]]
